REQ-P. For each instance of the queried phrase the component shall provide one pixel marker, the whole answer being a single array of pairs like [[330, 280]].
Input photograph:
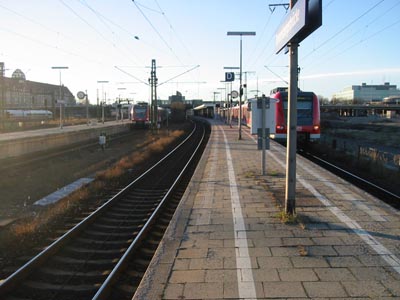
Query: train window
[[140, 112], [304, 110]]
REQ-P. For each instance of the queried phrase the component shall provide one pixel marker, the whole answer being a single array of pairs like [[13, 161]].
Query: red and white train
[[308, 115], [140, 114]]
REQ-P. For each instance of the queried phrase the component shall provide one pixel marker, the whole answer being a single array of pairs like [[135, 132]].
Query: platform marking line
[[246, 285], [380, 249], [354, 199], [204, 215], [359, 205]]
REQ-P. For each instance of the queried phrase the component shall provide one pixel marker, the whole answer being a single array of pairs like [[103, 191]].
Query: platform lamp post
[[103, 97], [59, 98], [119, 105], [241, 34], [221, 101]]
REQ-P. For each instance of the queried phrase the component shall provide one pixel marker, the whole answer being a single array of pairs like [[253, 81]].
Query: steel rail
[[11, 282], [104, 291], [355, 177]]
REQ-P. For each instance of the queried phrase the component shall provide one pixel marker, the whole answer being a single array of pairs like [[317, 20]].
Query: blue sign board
[[304, 17], [229, 76]]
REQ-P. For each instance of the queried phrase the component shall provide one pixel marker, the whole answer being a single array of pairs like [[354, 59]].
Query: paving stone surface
[[227, 240]]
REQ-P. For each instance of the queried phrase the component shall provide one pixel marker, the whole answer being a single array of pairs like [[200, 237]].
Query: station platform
[[14, 144], [227, 239]]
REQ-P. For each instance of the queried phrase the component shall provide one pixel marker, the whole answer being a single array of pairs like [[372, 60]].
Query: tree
[[323, 100]]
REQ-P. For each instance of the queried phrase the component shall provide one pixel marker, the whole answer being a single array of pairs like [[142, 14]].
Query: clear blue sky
[[358, 42]]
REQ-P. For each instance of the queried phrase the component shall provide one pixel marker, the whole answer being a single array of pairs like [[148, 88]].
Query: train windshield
[[140, 112], [304, 109]]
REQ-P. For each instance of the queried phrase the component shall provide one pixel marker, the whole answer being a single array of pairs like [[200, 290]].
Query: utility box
[[256, 114]]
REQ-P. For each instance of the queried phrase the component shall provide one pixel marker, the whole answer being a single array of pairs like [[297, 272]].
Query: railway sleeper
[[153, 243], [147, 251], [126, 222], [94, 253], [106, 243], [112, 228], [159, 230], [66, 274], [164, 220], [137, 210], [128, 214], [135, 205], [82, 264], [35, 287], [71, 279], [140, 263], [145, 199], [110, 235], [123, 291], [149, 189]]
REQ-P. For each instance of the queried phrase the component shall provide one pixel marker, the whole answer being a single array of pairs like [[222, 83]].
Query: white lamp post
[[241, 33], [59, 98], [103, 102]]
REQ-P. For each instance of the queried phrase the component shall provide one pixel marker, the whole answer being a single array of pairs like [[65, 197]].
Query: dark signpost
[[305, 17], [229, 76]]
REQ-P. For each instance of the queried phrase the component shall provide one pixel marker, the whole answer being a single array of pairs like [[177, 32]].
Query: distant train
[[140, 114], [308, 115], [28, 114]]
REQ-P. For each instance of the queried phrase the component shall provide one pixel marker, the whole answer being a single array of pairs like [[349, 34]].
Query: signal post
[[305, 17]]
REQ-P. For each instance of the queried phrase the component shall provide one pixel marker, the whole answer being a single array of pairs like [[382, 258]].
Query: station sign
[[229, 76], [303, 19]]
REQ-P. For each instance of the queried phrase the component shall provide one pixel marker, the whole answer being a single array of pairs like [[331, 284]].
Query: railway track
[[107, 253], [383, 194]]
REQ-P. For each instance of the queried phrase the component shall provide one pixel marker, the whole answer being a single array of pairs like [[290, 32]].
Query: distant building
[[176, 98], [18, 93], [366, 93]]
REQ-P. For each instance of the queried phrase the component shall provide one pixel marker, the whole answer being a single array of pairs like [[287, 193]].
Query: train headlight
[[316, 127], [280, 127]]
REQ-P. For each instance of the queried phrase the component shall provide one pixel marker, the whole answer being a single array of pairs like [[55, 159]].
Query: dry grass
[[103, 179]]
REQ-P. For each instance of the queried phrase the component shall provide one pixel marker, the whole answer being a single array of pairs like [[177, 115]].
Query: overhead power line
[[133, 76], [86, 22], [106, 21], [51, 46], [179, 75], [343, 29], [351, 38], [281, 78], [152, 26], [173, 29]]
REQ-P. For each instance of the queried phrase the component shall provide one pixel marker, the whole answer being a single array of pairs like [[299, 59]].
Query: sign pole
[[240, 93], [87, 107], [263, 133], [290, 190], [304, 18]]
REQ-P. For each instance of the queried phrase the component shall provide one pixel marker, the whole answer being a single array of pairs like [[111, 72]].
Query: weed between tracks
[[29, 229]]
